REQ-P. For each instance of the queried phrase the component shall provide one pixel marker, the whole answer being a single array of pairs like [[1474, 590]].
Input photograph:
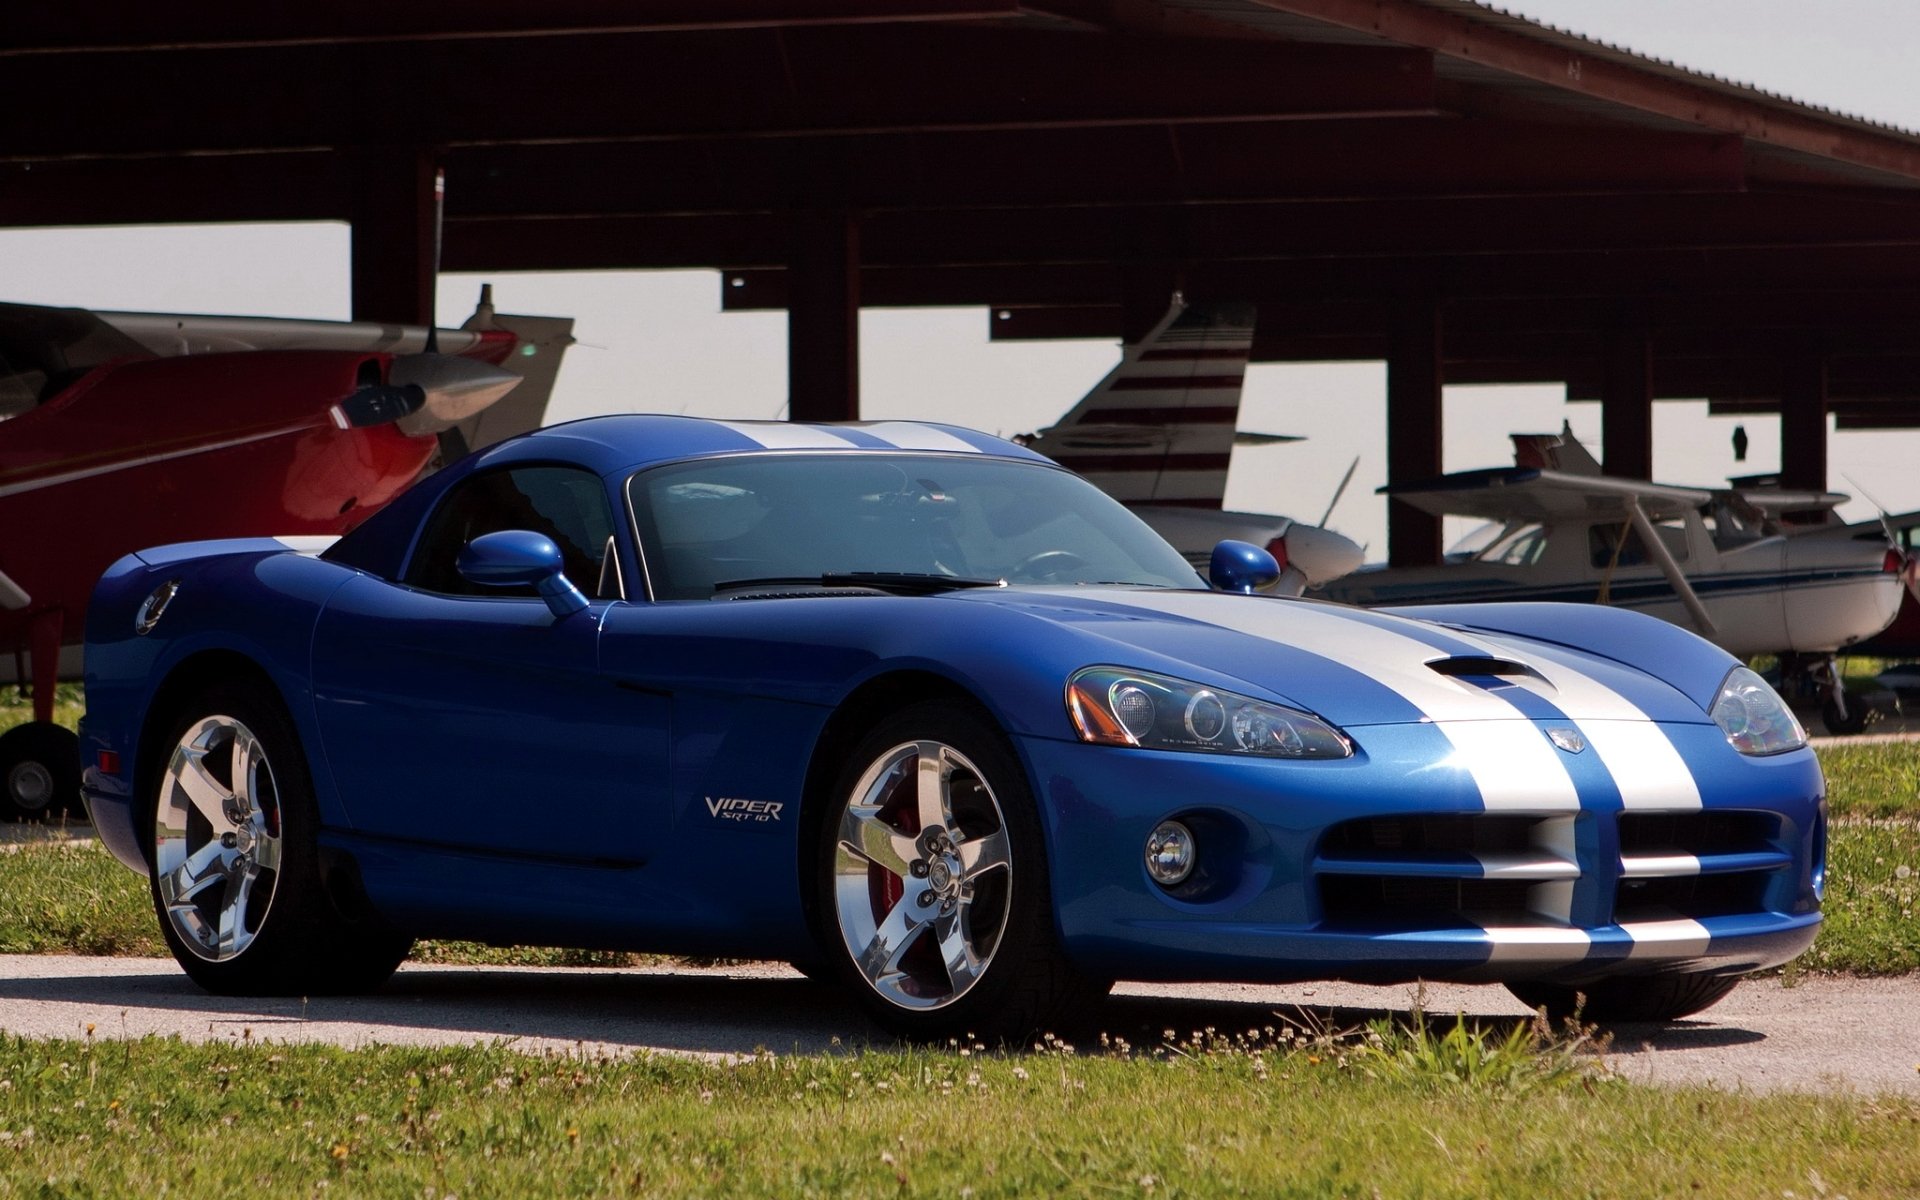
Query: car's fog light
[[1170, 853]]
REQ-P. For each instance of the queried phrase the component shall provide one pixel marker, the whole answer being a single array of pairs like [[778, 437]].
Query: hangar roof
[[1064, 161]]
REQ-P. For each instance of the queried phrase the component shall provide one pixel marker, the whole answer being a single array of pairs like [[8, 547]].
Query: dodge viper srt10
[[915, 707]]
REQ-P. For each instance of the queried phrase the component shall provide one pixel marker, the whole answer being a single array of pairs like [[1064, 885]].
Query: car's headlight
[[1116, 707], [1754, 718]]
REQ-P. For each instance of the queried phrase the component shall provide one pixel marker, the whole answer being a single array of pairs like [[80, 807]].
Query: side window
[[1605, 542], [567, 504]]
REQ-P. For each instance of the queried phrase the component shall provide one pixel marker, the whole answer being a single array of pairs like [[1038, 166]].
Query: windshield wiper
[[905, 583]]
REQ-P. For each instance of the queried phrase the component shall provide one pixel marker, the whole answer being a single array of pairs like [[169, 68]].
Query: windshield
[[744, 518]]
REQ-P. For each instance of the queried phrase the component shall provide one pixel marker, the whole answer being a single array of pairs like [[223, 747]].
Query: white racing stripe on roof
[[1679, 938], [1512, 764], [782, 435], [909, 436]]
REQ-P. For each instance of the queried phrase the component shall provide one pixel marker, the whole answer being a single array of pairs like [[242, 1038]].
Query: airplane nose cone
[[456, 388], [1321, 554]]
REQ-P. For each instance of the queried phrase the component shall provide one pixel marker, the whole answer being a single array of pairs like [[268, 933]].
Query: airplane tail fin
[[1160, 427], [1554, 452]]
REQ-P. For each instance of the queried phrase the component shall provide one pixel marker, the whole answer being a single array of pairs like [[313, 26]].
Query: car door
[[461, 716]]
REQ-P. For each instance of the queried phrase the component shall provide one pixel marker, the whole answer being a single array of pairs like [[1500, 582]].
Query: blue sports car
[[915, 707]]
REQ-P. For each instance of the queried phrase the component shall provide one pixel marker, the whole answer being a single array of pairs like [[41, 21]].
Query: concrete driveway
[[1824, 1034]]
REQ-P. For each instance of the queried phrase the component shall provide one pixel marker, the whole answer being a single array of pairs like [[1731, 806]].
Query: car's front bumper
[[1388, 866]]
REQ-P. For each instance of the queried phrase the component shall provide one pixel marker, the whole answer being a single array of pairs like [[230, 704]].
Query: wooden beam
[[823, 317], [1414, 430], [1626, 409], [799, 82], [1803, 417], [392, 249], [73, 29]]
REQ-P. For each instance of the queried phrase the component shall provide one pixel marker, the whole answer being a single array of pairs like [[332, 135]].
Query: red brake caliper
[[883, 886]]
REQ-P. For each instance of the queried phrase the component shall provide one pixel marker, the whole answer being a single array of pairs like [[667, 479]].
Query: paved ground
[[1825, 1034]]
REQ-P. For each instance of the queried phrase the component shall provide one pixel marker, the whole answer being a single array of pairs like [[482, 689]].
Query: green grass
[[17, 708], [1253, 1117], [1873, 862]]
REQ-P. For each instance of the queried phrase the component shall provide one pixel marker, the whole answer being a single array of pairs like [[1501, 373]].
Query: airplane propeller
[[1909, 559]]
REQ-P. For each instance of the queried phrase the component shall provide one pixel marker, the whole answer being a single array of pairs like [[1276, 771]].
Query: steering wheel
[[1047, 566]]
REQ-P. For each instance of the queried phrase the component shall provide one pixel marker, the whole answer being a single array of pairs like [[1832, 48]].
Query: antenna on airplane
[[1340, 491], [433, 281]]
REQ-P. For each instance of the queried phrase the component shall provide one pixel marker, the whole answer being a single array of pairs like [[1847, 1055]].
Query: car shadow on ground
[[709, 1013]]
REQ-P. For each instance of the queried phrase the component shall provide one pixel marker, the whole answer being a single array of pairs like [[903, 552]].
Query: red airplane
[[125, 430]]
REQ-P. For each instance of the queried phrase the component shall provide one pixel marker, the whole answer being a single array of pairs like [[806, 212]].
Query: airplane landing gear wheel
[[1843, 722], [39, 772]]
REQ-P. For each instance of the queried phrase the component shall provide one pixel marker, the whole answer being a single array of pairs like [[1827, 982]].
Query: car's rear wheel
[[1629, 997], [236, 869], [934, 882]]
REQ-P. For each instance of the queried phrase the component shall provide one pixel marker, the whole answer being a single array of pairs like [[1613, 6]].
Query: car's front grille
[[1696, 896], [1431, 833], [1442, 870], [1439, 870], [1705, 832], [1707, 863], [1384, 902]]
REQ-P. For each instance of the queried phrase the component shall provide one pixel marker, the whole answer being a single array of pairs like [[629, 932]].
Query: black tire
[[39, 772], [1630, 997], [236, 875], [1854, 722], [987, 900]]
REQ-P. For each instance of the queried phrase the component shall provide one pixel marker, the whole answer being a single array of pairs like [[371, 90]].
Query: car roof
[[619, 444]]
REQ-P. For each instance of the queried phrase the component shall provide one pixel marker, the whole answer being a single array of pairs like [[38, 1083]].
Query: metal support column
[[393, 223], [823, 317], [1413, 430], [1803, 418], [1626, 403]]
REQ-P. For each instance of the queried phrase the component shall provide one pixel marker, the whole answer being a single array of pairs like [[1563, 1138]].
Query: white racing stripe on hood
[[1511, 762], [1644, 764], [909, 436], [779, 435]]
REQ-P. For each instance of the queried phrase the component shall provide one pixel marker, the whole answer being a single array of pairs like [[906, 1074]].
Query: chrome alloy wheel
[[923, 875], [216, 838]]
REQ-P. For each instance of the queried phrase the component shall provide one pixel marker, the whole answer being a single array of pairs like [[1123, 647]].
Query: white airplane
[[1714, 560], [1157, 433]]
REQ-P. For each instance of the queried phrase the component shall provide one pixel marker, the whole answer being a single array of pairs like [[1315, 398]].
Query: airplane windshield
[[1511, 544], [711, 523]]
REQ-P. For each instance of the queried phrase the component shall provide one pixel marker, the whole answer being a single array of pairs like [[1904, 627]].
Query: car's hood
[[1351, 666]]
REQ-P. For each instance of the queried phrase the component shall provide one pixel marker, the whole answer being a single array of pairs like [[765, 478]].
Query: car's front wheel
[[1629, 997], [934, 881], [236, 871]]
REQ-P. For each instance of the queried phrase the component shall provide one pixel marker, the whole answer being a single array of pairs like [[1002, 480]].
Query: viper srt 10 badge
[[730, 808]]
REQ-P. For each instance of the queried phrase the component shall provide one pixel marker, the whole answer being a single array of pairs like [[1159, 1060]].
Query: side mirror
[[1242, 567], [518, 558]]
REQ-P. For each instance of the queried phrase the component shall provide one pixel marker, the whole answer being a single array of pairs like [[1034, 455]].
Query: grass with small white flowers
[[1256, 1115]]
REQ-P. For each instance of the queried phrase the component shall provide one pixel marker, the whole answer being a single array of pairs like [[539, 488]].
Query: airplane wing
[[1539, 494], [171, 335], [530, 347], [1159, 428]]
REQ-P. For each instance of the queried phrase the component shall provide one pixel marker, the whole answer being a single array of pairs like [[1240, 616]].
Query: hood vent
[[1482, 666]]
